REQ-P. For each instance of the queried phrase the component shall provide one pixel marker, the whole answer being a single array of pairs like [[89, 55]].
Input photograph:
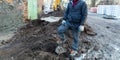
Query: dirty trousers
[[75, 33]]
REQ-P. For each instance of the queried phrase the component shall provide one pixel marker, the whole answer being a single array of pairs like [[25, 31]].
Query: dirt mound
[[55, 14], [37, 41]]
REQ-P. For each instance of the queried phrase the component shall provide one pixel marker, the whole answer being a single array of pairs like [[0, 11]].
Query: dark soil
[[37, 41], [55, 14]]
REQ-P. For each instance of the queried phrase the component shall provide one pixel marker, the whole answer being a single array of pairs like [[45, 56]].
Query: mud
[[37, 41]]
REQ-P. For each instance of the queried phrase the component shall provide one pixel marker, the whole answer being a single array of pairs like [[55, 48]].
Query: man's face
[[75, 0]]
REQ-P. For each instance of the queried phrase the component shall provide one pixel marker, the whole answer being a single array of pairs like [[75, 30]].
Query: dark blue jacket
[[76, 15]]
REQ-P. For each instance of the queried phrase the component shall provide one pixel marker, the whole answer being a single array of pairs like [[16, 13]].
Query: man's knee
[[60, 30]]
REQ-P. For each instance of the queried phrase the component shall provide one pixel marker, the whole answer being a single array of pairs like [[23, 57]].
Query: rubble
[[38, 41]]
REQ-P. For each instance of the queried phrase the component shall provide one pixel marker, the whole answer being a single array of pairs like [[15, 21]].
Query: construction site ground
[[37, 41]]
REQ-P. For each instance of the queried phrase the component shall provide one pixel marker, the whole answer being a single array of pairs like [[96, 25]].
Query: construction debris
[[38, 41]]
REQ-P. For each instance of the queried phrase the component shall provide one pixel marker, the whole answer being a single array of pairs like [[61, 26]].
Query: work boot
[[73, 53]]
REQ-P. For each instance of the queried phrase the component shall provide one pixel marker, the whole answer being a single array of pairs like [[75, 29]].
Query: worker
[[74, 19]]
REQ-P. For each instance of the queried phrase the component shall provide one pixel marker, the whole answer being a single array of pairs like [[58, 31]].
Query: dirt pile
[[55, 14], [37, 41]]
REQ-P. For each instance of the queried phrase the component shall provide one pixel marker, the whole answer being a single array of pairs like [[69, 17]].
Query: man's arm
[[66, 13], [84, 13]]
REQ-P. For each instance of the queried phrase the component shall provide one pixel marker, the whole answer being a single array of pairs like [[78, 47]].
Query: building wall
[[40, 4]]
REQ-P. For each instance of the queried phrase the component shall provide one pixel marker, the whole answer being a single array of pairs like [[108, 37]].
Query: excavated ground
[[55, 14], [37, 41]]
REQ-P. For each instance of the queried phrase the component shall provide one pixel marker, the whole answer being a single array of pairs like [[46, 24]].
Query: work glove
[[81, 28], [63, 22]]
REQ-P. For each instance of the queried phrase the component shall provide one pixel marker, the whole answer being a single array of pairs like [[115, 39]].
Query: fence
[[113, 10]]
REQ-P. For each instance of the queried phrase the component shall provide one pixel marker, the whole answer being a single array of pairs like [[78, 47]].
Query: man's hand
[[81, 27], [63, 22]]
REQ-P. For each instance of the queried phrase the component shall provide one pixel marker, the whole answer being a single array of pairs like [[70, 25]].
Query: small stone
[[96, 48], [107, 27]]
